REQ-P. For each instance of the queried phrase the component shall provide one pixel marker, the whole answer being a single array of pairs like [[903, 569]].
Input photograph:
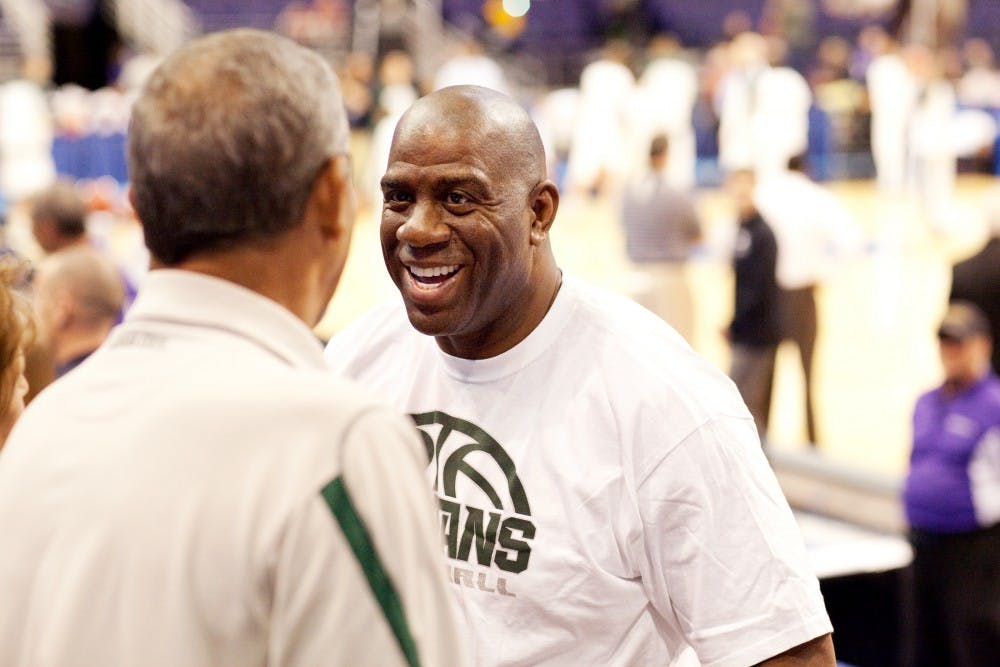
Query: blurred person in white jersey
[[932, 138], [763, 110], [815, 233], [599, 156], [604, 496], [892, 96], [202, 492], [664, 101]]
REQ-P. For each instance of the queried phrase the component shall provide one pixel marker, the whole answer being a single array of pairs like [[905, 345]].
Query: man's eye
[[396, 197], [457, 198]]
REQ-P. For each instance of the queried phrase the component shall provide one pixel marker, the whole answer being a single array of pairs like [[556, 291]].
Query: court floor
[[876, 350]]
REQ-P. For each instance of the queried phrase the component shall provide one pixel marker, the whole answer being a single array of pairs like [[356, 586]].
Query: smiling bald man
[[603, 494]]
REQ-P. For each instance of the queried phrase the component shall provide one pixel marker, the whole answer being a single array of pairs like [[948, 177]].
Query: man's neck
[[268, 269], [957, 385]]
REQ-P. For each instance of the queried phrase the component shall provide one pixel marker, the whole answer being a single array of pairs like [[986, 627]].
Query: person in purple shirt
[[952, 502]]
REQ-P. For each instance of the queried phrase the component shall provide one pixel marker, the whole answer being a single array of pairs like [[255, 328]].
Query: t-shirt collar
[[546, 334]]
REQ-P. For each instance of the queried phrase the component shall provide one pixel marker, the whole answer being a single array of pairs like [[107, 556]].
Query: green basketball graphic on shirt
[[485, 513]]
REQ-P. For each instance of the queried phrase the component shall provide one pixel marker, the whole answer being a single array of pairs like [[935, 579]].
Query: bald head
[[85, 280], [492, 124]]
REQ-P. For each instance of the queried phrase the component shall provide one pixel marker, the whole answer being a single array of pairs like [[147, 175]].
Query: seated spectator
[[78, 299], [58, 217], [16, 332], [980, 85], [59, 222]]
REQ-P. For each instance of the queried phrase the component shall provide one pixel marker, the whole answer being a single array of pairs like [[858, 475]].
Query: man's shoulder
[[644, 357], [381, 329]]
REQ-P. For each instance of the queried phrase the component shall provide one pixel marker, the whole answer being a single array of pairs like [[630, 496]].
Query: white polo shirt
[[603, 493], [201, 491]]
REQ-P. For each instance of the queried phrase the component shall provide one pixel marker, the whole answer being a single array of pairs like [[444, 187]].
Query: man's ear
[[64, 310], [331, 192], [544, 204]]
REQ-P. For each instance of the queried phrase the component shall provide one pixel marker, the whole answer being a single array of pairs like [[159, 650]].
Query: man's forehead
[[452, 171], [448, 150]]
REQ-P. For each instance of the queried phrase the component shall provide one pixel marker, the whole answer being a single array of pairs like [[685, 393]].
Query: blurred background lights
[[516, 8]]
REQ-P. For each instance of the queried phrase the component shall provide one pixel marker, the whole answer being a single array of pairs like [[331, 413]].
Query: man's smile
[[430, 284]]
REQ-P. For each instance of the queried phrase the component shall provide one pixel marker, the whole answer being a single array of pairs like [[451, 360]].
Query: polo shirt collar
[[195, 299]]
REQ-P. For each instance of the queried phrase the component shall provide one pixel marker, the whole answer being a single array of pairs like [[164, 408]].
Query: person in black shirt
[[754, 332], [977, 279]]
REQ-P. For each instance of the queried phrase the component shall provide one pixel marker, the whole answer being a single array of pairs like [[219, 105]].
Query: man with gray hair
[[202, 492]]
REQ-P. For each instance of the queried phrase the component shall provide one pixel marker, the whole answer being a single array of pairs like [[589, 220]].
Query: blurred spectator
[[735, 23], [763, 110], [318, 24], [16, 333], [58, 217], [833, 61], [555, 113], [814, 231], [977, 279], [664, 101], [795, 22], [78, 299], [397, 91], [83, 43], [980, 84], [596, 160], [356, 81], [661, 226], [26, 134], [872, 41], [59, 222], [937, 23], [469, 64], [892, 95], [932, 134], [755, 330], [952, 501]]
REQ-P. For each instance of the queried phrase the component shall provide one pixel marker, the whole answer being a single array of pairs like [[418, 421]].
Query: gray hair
[[63, 205], [226, 141]]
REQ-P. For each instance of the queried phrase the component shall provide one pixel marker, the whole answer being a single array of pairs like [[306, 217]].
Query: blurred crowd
[[908, 115]]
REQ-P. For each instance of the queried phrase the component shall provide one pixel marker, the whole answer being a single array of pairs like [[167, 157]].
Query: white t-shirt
[[202, 492], [604, 497], [813, 228]]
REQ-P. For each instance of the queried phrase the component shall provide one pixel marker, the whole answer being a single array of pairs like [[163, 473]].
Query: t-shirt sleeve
[[721, 554], [359, 578]]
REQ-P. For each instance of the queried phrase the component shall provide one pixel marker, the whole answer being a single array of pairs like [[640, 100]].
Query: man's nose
[[424, 227]]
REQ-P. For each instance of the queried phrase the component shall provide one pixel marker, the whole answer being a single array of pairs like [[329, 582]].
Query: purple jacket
[[950, 436]]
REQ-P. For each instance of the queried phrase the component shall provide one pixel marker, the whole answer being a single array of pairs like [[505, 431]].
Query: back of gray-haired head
[[63, 205], [226, 141]]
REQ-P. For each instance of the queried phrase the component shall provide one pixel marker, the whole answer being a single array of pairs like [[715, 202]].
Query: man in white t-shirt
[[603, 493], [200, 491]]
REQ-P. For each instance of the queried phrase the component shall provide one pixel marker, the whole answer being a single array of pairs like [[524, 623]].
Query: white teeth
[[433, 272]]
